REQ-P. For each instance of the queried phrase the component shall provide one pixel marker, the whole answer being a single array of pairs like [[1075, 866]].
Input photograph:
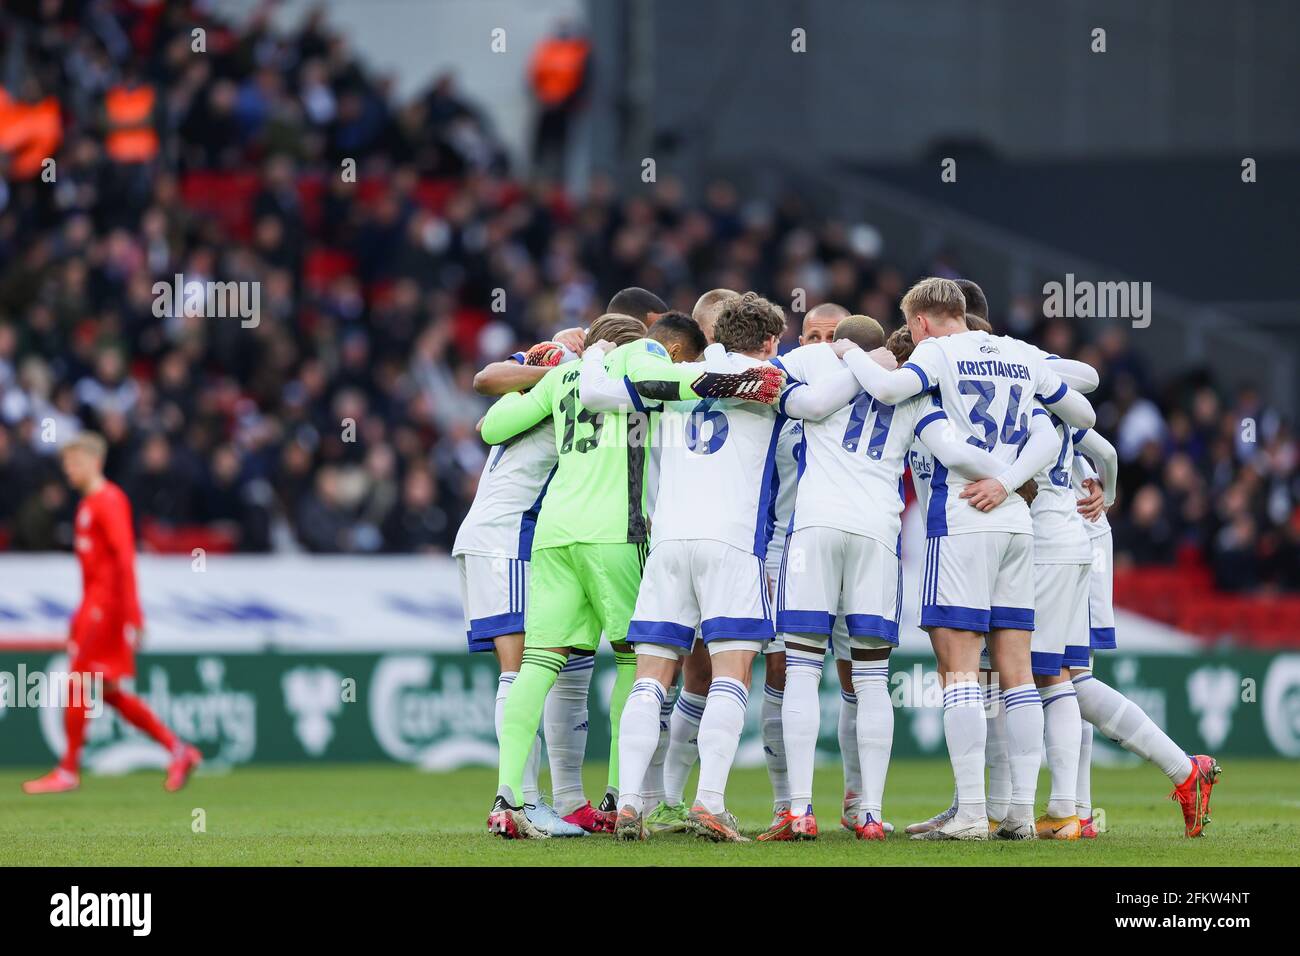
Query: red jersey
[[105, 544]]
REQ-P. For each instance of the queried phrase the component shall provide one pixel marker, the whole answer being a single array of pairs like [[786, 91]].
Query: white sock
[[801, 713], [1024, 710], [724, 719], [1083, 788], [774, 747], [963, 728], [683, 744], [565, 723], [874, 733], [653, 788], [995, 752], [533, 768], [1061, 733], [1128, 725], [847, 731], [638, 736]]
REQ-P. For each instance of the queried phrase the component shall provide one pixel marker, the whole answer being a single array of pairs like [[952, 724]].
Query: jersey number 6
[[702, 415]]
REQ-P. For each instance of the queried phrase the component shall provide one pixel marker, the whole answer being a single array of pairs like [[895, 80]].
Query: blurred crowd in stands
[[344, 420]]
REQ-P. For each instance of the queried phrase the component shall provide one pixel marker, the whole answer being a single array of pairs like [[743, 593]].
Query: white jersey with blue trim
[[1080, 470], [510, 490], [922, 461], [987, 384], [1059, 533], [852, 474], [789, 452], [717, 469]]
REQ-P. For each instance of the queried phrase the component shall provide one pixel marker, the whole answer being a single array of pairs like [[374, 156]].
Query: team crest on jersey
[[654, 348]]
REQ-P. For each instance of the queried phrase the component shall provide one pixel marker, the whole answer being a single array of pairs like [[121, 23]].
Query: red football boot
[[57, 780], [1193, 794], [182, 765], [781, 828], [590, 819], [873, 829]]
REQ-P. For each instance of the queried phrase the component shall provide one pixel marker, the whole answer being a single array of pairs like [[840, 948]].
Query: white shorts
[[494, 594], [776, 645], [706, 584], [1101, 590], [1060, 636], [839, 586], [979, 581]]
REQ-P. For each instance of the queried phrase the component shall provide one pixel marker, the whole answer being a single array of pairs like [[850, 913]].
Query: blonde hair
[[92, 443], [935, 296], [862, 330], [709, 306], [616, 328]]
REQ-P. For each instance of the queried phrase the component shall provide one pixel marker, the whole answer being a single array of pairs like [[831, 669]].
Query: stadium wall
[[300, 660], [435, 710]]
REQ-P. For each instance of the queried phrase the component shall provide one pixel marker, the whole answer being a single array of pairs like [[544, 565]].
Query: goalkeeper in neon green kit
[[591, 539]]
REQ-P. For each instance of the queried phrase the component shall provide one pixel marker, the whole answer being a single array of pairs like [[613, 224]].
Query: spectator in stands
[[1147, 538], [558, 75], [379, 297]]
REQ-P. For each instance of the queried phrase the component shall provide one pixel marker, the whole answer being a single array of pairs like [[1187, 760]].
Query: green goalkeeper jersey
[[597, 493]]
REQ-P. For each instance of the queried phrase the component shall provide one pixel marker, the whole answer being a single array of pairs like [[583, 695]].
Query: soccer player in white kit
[[978, 578], [1062, 561], [1095, 467], [818, 326], [841, 579], [681, 749], [492, 550], [709, 538]]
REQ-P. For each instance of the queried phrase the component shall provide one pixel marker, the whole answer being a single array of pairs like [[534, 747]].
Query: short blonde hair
[[709, 306], [936, 296], [92, 443], [616, 328], [862, 330]]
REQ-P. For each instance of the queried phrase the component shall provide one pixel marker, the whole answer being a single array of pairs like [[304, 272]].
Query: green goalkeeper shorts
[[579, 591]]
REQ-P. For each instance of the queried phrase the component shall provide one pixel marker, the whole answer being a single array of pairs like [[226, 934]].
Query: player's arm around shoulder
[[599, 391], [1067, 404], [879, 376], [821, 386], [516, 413], [1106, 458]]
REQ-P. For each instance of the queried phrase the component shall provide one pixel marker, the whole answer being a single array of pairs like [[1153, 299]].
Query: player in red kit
[[107, 625]]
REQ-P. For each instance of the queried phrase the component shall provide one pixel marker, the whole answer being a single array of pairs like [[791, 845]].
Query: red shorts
[[99, 643]]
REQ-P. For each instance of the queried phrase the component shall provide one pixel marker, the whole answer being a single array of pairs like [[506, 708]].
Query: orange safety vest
[[131, 136], [557, 69], [31, 132]]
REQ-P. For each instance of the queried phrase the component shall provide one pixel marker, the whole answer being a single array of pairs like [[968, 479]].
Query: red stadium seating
[[158, 538], [1184, 597]]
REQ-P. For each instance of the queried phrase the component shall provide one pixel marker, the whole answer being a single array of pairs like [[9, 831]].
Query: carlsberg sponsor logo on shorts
[[75, 908]]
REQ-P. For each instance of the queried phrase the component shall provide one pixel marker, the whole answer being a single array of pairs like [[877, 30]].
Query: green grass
[[392, 815]]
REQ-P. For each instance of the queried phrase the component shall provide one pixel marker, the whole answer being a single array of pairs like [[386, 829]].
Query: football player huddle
[[671, 482]]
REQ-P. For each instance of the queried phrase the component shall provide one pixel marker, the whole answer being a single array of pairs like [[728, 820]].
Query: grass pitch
[[391, 815]]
